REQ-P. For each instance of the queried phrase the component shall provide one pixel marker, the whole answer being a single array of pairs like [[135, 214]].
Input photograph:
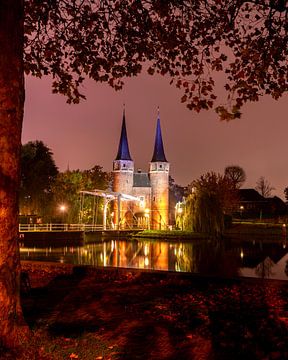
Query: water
[[258, 259]]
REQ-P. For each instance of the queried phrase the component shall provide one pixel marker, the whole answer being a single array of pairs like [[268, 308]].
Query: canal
[[258, 259]]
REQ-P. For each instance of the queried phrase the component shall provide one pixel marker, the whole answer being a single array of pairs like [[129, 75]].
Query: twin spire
[[123, 149]]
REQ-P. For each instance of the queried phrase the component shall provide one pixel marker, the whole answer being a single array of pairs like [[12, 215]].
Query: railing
[[59, 227]]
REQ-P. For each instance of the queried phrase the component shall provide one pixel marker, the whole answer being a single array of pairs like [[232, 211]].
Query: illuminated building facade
[[152, 188]]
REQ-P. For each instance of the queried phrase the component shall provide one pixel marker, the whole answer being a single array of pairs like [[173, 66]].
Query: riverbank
[[169, 234], [85, 313], [256, 231], [238, 230]]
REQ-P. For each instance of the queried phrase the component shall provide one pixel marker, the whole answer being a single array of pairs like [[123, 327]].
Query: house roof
[[141, 180], [250, 195]]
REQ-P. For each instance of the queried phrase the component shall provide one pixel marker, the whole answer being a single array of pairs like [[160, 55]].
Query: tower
[[159, 179], [123, 169]]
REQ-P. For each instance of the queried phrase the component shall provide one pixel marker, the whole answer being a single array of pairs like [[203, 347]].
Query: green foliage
[[44, 189], [188, 41], [67, 191], [212, 195], [174, 234], [38, 174]]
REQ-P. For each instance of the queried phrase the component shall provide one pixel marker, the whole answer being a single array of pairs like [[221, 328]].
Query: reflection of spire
[[158, 154], [123, 149]]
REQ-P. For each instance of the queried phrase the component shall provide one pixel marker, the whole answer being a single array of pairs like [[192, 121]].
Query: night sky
[[84, 135]]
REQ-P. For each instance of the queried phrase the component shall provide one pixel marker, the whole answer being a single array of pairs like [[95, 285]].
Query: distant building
[[253, 205], [152, 188]]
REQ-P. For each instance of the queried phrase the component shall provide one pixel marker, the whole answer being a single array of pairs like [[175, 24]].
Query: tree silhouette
[[236, 174], [264, 187], [109, 40], [38, 174]]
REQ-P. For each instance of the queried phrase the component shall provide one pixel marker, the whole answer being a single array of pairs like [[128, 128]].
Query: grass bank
[[169, 234], [256, 230], [237, 230]]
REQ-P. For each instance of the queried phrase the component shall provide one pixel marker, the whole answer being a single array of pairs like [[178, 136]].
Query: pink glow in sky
[[87, 134]]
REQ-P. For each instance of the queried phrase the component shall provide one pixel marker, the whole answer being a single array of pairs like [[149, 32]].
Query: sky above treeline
[[84, 135]]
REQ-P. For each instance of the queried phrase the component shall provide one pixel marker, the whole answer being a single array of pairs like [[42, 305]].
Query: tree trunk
[[12, 326]]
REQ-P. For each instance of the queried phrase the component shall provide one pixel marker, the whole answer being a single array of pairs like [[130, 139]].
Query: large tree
[[38, 173], [108, 40], [236, 175], [212, 196], [66, 190]]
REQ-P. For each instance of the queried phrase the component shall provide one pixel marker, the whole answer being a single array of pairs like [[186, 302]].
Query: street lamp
[[62, 209]]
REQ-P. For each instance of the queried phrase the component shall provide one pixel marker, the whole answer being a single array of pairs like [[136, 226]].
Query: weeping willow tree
[[211, 197]]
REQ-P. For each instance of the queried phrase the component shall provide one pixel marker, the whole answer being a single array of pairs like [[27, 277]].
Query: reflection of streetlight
[[147, 214]]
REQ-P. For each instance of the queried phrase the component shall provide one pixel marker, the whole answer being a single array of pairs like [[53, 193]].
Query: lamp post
[[241, 210], [63, 209]]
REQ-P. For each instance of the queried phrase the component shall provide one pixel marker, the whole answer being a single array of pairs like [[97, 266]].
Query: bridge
[[82, 228], [108, 197], [59, 227], [69, 232]]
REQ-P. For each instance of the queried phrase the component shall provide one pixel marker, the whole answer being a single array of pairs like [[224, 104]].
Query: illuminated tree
[[211, 197], [109, 40], [236, 175], [67, 189]]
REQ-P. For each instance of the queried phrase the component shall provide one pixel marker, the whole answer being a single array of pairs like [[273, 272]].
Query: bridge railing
[[59, 227]]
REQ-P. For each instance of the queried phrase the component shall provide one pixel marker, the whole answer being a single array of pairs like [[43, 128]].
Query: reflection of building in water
[[151, 188], [148, 255]]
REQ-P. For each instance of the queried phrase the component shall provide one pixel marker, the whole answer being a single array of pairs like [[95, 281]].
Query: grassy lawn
[[237, 229]]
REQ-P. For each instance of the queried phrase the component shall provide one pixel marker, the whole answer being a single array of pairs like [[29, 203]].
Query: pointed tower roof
[[158, 154], [123, 149]]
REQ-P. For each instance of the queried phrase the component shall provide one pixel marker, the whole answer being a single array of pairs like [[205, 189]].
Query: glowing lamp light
[[147, 211], [62, 208]]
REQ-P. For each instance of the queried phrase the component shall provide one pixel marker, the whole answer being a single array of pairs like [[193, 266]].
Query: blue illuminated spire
[[123, 149], [158, 154]]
